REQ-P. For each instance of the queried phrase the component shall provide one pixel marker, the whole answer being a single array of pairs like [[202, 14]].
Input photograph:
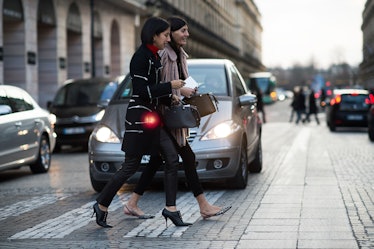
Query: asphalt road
[[316, 190]]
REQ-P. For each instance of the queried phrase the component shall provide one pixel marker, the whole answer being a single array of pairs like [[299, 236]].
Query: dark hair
[[176, 22], [153, 26]]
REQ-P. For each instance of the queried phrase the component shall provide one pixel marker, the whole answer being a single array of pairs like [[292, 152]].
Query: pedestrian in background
[[143, 135], [300, 105], [174, 62], [260, 104], [312, 108], [293, 103]]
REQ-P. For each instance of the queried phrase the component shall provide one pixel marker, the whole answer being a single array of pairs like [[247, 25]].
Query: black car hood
[[80, 111]]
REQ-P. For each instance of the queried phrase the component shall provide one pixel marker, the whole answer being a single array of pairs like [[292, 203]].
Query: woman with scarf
[[174, 62]]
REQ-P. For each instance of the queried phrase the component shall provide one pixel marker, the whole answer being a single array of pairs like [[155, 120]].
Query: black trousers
[[131, 165], [189, 166]]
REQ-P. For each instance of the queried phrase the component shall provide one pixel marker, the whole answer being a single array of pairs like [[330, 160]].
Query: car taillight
[[370, 100], [336, 100]]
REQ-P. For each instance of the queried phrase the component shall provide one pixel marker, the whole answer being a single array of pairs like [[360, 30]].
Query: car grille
[[193, 133]]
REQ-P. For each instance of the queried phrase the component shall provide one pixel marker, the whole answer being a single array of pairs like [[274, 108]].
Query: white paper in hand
[[190, 82]]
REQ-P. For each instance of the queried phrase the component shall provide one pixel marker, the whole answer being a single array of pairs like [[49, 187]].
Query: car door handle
[[18, 124]]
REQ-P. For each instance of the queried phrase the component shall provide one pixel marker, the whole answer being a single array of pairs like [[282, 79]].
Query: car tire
[[43, 162], [241, 177], [256, 165], [371, 134], [332, 127], [98, 186]]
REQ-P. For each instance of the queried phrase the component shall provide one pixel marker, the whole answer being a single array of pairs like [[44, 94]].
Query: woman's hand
[[188, 92], [175, 99], [176, 84]]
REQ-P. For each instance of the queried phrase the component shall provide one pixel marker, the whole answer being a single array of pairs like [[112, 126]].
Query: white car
[[27, 131]]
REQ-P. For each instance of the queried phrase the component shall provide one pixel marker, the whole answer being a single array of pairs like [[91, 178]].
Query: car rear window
[[84, 94], [354, 101], [211, 78]]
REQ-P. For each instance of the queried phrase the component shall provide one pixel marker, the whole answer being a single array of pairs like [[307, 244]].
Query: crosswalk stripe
[[67, 223], [189, 209], [30, 204]]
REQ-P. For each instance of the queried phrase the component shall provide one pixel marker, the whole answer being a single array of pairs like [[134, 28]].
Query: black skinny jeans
[[131, 165], [189, 166]]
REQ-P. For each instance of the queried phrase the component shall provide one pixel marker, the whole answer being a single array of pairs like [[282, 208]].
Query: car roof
[[350, 91], [209, 61], [260, 75], [96, 80], [8, 87]]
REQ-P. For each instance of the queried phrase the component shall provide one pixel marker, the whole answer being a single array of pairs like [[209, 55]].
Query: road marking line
[[65, 224], [30, 204], [189, 209]]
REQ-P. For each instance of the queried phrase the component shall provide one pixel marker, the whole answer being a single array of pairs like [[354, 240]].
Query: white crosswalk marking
[[190, 212], [29, 205], [67, 223]]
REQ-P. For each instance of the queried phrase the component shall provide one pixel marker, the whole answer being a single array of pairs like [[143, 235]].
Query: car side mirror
[[49, 104], [247, 99], [5, 109]]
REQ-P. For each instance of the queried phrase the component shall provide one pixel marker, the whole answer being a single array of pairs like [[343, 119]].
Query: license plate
[[75, 130], [355, 117]]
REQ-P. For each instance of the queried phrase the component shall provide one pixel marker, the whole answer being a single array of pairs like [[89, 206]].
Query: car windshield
[[211, 78], [85, 94]]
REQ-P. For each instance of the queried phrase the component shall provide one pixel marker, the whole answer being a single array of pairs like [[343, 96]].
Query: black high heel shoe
[[175, 217], [100, 216]]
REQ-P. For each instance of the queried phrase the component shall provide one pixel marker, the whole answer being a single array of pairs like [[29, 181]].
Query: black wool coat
[[143, 122]]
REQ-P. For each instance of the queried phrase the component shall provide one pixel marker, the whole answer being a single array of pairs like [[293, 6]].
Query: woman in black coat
[[143, 123]]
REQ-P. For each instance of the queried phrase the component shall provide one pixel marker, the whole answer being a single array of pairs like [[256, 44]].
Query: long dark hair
[[153, 26], [176, 23]]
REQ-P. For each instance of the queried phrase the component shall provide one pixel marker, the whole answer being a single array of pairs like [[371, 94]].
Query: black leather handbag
[[181, 116]]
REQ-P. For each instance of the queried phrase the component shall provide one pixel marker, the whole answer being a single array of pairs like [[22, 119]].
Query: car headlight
[[100, 115], [52, 119], [105, 135], [221, 130]]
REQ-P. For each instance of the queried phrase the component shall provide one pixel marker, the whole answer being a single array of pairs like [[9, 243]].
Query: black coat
[[143, 123], [312, 103]]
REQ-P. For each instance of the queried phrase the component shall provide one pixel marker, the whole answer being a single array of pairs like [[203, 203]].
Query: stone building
[[367, 65], [45, 42]]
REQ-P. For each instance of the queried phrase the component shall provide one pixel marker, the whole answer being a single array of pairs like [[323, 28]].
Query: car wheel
[[256, 165], [371, 134], [332, 127], [241, 177], [97, 185], [43, 162]]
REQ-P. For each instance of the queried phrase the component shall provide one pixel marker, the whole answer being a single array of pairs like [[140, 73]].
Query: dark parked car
[[27, 131], [79, 105], [348, 108], [227, 143], [371, 118]]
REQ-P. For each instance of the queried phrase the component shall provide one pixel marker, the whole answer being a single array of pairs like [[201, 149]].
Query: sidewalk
[[303, 207]]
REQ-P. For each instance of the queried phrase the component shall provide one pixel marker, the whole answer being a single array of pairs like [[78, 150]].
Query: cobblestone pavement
[[316, 190]]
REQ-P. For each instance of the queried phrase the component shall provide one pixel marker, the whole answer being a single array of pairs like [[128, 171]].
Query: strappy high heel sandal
[[130, 212], [220, 212]]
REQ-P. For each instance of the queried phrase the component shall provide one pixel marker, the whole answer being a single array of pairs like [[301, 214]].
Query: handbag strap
[[215, 100]]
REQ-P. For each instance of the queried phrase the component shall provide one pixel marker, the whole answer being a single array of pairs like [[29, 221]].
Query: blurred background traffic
[[48, 45]]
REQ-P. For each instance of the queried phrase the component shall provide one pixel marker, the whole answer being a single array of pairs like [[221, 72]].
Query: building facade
[[367, 65], [45, 42]]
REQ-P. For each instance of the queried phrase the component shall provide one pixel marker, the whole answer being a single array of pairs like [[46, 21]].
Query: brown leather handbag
[[206, 103]]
